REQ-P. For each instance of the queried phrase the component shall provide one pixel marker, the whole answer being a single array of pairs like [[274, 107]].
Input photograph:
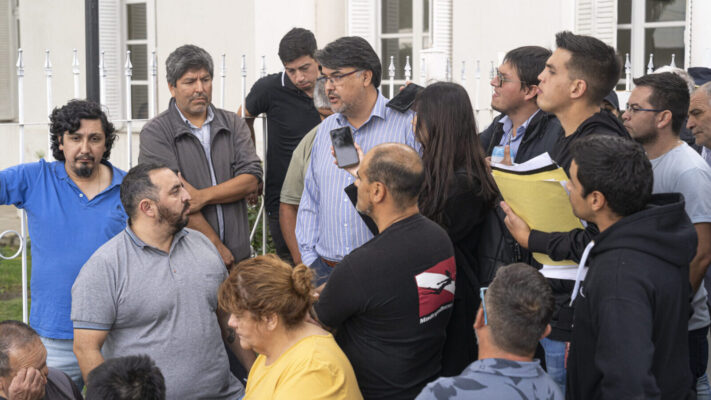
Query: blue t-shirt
[[65, 229]]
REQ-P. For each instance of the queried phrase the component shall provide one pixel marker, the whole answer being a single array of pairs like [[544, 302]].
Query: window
[[9, 38], [136, 41], [655, 27], [405, 29]]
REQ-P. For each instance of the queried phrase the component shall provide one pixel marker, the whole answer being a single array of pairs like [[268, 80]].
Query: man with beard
[[212, 150], [655, 114], [153, 289], [72, 203]]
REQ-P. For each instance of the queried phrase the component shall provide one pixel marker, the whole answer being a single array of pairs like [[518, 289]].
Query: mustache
[[87, 157], [198, 96]]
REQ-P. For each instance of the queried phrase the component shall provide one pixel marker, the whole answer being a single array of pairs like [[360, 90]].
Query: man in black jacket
[[522, 126], [631, 311]]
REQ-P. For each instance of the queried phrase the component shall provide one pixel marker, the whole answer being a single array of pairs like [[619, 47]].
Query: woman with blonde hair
[[268, 301]]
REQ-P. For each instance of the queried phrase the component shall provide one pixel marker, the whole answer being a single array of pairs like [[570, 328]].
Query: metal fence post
[[650, 64], [408, 69], [76, 71], [23, 215], [244, 84], [628, 72], [265, 139], [391, 74], [129, 72], [492, 71], [223, 74], [463, 78], [448, 70], [48, 78], [477, 89], [672, 63], [153, 86], [423, 71], [102, 80]]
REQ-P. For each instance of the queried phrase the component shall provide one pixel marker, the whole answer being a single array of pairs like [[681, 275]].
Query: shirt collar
[[210, 117], [500, 366], [140, 243], [508, 124], [379, 111]]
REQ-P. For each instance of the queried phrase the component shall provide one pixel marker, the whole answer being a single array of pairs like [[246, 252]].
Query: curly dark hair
[[68, 119]]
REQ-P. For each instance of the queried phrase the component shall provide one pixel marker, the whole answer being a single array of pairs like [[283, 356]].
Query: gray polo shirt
[[160, 304]]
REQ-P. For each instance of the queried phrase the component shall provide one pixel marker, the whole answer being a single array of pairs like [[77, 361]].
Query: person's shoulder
[[159, 123], [107, 252]]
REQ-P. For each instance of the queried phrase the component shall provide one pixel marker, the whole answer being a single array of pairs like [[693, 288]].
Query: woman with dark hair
[[458, 193], [268, 301]]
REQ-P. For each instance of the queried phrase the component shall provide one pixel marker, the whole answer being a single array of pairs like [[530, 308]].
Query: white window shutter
[[110, 44], [442, 26], [362, 21], [597, 18], [8, 57]]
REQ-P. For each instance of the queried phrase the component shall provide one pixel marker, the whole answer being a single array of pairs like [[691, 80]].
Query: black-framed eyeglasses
[[482, 292], [336, 79], [500, 79], [635, 108]]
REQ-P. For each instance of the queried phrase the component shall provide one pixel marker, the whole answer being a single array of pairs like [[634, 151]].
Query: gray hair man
[[24, 374], [515, 313]]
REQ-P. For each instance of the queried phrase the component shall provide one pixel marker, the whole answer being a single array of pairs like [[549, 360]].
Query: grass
[[11, 285]]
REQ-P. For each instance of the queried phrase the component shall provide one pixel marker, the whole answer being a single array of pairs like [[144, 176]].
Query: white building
[[463, 31]]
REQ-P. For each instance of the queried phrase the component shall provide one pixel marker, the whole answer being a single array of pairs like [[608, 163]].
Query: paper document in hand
[[535, 191]]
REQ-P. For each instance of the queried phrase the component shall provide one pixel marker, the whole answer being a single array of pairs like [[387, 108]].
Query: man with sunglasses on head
[[514, 315], [327, 226], [655, 114], [522, 126], [287, 99]]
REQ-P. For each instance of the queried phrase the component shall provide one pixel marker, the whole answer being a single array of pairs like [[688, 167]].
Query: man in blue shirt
[[514, 315], [73, 207], [327, 226]]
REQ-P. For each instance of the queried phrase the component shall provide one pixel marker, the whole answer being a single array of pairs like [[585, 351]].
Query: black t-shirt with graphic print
[[390, 301]]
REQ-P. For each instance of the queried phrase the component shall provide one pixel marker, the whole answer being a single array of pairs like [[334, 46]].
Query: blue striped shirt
[[327, 224]]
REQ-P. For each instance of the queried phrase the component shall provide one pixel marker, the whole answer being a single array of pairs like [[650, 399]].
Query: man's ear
[[172, 89], [530, 92], [479, 320], [664, 119], [546, 332], [148, 207], [596, 200], [578, 88], [377, 192], [367, 77]]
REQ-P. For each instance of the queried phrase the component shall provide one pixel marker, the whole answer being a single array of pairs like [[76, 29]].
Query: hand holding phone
[[344, 147]]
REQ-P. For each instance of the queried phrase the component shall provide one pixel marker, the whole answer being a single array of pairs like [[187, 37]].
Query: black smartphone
[[344, 147], [403, 100]]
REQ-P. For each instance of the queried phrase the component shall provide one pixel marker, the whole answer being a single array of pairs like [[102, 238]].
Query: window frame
[[149, 42]]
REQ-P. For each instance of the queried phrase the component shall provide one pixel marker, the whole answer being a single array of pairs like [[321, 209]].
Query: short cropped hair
[[400, 169], [529, 62], [519, 305], [618, 168], [13, 335], [298, 42], [68, 119], [669, 92], [592, 61], [126, 378], [185, 58], [137, 185], [266, 285], [351, 51]]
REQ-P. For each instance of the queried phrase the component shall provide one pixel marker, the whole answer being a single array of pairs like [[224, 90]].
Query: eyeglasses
[[482, 292], [336, 79], [634, 109], [500, 79]]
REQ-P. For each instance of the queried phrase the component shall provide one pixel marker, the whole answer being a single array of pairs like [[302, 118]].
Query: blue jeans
[[60, 355], [555, 361], [321, 272], [698, 360]]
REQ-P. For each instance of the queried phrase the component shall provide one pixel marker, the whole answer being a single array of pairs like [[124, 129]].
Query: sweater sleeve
[[562, 245]]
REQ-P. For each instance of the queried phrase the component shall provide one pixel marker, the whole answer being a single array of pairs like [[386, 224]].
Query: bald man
[[390, 300]]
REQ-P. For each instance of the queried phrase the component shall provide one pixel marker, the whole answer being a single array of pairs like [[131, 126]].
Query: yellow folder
[[539, 198]]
